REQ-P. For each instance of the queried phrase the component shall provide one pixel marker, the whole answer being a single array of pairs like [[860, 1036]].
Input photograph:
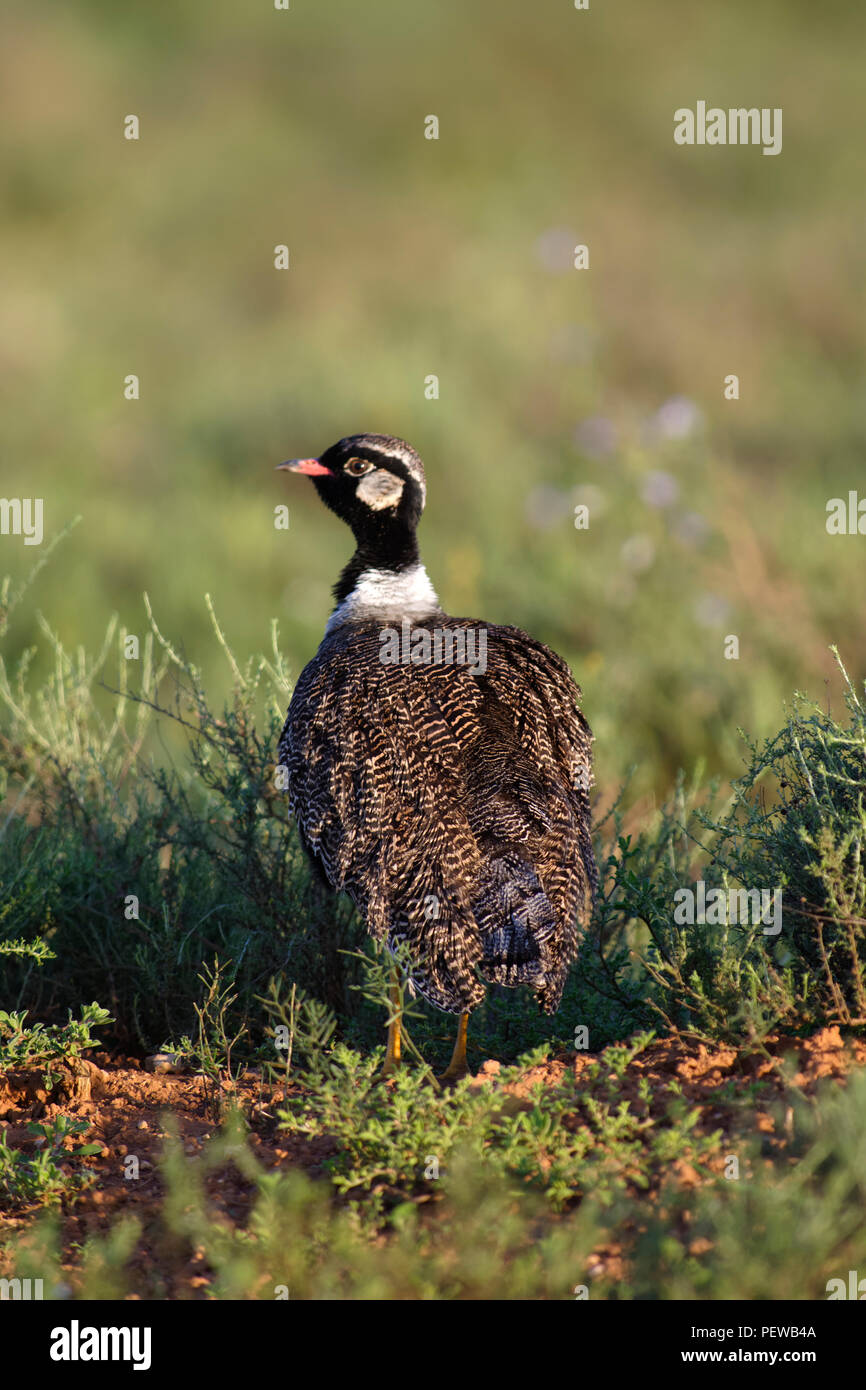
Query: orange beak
[[311, 467]]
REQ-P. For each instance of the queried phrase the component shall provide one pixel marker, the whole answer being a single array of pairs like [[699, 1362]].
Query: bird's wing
[[376, 791], [531, 779]]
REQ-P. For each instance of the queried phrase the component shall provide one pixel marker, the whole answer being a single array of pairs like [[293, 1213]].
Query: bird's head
[[374, 482]]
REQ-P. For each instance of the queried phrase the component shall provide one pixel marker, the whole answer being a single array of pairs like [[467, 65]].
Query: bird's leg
[[458, 1066], [392, 1051]]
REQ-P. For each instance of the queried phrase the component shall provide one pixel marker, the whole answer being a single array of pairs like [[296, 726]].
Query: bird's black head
[[375, 483]]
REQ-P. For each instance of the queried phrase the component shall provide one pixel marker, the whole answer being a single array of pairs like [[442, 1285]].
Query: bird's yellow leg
[[458, 1066], [392, 1051]]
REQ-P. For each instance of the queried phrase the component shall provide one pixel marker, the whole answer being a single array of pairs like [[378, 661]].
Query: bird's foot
[[453, 1073], [394, 1048], [457, 1068]]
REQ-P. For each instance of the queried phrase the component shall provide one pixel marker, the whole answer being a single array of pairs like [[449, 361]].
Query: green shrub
[[799, 822], [53, 1172]]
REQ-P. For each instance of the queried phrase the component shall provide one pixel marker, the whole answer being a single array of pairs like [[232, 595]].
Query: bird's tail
[[516, 923]]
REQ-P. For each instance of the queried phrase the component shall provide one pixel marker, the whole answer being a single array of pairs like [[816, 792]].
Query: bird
[[438, 768]]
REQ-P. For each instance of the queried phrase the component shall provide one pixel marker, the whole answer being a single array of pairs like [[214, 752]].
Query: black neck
[[391, 548]]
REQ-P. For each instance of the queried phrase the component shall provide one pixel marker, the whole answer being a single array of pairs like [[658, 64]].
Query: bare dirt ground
[[125, 1106]]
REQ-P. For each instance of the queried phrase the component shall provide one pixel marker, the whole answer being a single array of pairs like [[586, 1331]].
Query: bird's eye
[[358, 466]]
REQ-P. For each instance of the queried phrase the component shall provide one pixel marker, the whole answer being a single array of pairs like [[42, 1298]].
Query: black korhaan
[[447, 794]]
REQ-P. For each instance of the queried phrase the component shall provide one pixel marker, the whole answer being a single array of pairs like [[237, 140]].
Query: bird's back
[[449, 798]]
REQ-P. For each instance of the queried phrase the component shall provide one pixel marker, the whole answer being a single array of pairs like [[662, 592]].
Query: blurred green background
[[412, 257]]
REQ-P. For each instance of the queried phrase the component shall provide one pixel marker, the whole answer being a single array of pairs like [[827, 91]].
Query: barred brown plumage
[[448, 797]]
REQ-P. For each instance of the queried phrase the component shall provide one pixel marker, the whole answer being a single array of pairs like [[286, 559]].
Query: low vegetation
[[177, 896]]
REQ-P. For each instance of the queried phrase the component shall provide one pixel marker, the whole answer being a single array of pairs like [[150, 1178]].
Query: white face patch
[[387, 594], [379, 489]]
